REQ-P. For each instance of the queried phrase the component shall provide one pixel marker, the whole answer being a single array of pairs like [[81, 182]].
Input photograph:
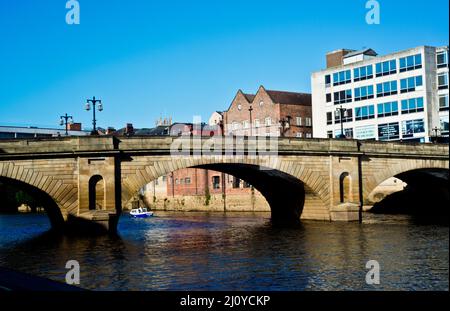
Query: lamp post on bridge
[[250, 109], [66, 120], [341, 112], [94, 102], [285, 124], [435, 131]]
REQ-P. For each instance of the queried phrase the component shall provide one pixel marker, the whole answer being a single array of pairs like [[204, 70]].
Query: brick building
[[269, 113], [266, 113]]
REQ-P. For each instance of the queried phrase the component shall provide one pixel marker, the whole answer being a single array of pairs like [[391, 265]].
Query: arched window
[[345, 187], [96, 193]]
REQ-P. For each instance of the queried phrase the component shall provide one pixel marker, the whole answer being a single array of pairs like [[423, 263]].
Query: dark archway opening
[[344, 187], [15, 193], [96, 193], [284, 193], [425, 197]]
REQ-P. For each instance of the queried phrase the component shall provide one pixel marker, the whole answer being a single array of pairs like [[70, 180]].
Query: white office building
[[400, 96]]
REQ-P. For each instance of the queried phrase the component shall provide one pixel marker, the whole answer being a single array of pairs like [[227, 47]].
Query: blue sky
[[147, 59]]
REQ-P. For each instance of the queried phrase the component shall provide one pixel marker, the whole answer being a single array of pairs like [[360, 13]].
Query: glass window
[[268, 121], [386, 88], [342, 77], [299, 121], [442, 59], [412, 127], [412, 105], [216, 182], [342, 97], [442, 81], [386, 68], [365, 92], [308, 121], [363, 73], [364, 113], [328, 96], [329, 118], [411, 62], [327, 80], [443, 102], [410, 84], [444, 125]]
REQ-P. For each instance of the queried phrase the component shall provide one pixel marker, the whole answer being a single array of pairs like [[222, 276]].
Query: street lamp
[[250, 109], [285, 123], [341, 112], [66, 120], [94, 102], [435, 130]]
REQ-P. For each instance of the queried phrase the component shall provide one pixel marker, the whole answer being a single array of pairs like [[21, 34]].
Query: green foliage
[[24, 198], [207, 197]]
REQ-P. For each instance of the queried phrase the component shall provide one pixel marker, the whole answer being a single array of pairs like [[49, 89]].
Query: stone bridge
[[90, 178]]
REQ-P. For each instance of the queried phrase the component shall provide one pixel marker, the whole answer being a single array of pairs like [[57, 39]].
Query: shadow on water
[[46, 255]]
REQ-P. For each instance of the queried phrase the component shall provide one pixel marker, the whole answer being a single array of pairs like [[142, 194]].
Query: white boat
[[141, 212]]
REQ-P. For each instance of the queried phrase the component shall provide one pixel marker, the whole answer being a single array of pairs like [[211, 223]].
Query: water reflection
[[200, 251]]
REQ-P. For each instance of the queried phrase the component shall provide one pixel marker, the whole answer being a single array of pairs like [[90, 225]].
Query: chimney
[[335, 58], [74, 126], [110, 131], [129, 130]]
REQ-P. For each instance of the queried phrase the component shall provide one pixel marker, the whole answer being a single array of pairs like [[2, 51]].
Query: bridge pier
[[345, 212], [93, 221]]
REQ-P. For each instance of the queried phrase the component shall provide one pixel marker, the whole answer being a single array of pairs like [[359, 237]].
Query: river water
[[201, 251]]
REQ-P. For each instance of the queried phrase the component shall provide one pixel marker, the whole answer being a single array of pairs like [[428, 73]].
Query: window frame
[[415, 65], [363, 116], [367, 96], [415, 108], [382, 72], [383, 113]]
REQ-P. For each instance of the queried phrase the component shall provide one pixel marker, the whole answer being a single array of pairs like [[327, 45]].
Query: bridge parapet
[[166, 145]]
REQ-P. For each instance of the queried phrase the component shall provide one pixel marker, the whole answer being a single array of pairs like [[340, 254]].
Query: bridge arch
[[48, 203], [64, 195], [287, 185], [401, 167]]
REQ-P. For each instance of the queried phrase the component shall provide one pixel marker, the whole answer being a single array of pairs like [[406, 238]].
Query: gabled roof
[[249, 97], [369, 52], [279, 97], [290, 98]]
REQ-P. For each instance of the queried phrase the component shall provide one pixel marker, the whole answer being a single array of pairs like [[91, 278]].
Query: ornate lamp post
[[66, 120], [285, 123], [250, 109], [435, 131], [94, 102], [341, 112]]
